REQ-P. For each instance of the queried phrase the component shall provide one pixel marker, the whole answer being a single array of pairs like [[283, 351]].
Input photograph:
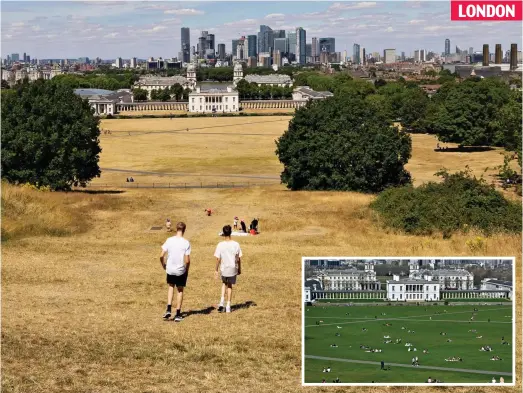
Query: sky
[[110, 29]]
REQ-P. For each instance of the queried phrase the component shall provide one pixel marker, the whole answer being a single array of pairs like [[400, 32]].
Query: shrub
[[460, 203]]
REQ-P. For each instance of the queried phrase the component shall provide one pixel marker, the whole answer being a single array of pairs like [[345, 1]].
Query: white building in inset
[[281, 80], [491, 284], [213, 100], [459, 279], [350, 279], [305, 93], [413, 290]]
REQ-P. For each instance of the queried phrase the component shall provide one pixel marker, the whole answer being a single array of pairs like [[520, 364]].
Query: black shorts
[[177, 281]]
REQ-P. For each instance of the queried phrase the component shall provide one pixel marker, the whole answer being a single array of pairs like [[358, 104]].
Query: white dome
[[238, 67]]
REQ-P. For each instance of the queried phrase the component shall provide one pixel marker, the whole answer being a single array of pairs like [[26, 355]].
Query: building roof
[[499, 282], [104, 95], [162, 80], [92, 92], [412, 281], [306, 90], [274, 78], [446, 272]]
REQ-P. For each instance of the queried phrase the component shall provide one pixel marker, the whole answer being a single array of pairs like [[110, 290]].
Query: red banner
[[486, 10]]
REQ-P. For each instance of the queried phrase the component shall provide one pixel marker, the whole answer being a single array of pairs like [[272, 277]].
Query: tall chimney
[[498, 56], [513, 56], [486, 55]]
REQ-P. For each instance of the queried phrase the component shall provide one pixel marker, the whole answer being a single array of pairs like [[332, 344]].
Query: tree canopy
[[339, 144], [49, 136]]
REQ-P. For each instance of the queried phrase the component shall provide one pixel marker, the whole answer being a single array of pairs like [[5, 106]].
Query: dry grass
[[82, 313]]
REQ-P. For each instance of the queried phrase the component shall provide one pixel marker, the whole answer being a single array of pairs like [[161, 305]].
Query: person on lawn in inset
[[178, 250], [228, 262]]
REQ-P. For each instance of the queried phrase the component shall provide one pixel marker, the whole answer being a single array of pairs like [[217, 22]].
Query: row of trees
[[97, 81], [252, 91], [176, 92]]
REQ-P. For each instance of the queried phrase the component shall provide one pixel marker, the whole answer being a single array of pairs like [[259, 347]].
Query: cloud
[[242, 23], [389, 29], [111, 35], [184, 11], [275, 16], [352, 6], [443, 28], [416, 21], [18, 24]]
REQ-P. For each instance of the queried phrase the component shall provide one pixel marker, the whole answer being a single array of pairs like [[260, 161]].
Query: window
[[227, 107], [233, 107], [393, 296], [233, 99], [393, 287], [193, 100], [401, 288], [193, 105], [401, 296], [434, 287], [200, 100], [226, 98]]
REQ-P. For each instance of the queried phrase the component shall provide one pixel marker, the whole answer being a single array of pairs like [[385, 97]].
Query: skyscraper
[[265, 39], [327, 45], [186, 44], [447, 47], [486, 55], [234, 47], [281, 44], [301, 38], [210, 41], [133, 62], [291, 35], [389, 56], [221, 51], [315, 49], [499, 54], [513, 56], [356, 54], [251, 44]]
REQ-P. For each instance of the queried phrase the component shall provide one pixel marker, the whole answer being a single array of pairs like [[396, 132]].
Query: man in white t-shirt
[[228, 263], [178, 250]]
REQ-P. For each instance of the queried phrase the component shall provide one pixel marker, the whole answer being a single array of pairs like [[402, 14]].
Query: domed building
[[281, 80]]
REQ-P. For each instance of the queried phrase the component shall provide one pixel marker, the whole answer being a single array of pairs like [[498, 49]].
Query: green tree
[[177, 91], [413, 106], [339, 144], [186, 93], [164, 94], [469, 111], [510, 124], [243, 88], [155, 94], [140, 95], [49, 137]]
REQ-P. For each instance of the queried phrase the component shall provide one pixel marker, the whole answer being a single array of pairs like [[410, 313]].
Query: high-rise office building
[[28, 59], [186, 45], [15, 57], [265, 39], [210, 41], [471, 50], [202, 43], [119, 62], [513, 56], [498, 55], [234, 47], [301, 39], [25, 57], [251, 45], [389, 56], [281, 44], [308, 50], [221, 51], [356, 54], [291, 35], [315, 51], [277, 58], [240, 49], [327, 45], [133, 62], [278, 34], [486, 55], [447, 47], [402, 56]]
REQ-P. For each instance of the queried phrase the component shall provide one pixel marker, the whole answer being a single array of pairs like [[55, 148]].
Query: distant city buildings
[[301, 47], [389, 56]]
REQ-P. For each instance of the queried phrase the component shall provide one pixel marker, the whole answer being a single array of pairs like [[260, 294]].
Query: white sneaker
[[228, 308], [220, 307]]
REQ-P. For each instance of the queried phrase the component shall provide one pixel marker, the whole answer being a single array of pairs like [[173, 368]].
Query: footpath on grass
[[461, 370]]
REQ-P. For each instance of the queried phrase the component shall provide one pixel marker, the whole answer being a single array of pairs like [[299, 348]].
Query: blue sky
[[110, 29]]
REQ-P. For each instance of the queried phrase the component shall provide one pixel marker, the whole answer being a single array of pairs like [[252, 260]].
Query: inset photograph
[[408, 321]]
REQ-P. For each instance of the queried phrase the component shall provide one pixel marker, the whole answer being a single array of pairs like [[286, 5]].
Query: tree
[[243, 88], [380, 83], [164, 94], [339, 144], [140, 95], [414, 104], [155, 94], [5, 84], [49, 137], [510, 121], [186, 93], [177, 91]]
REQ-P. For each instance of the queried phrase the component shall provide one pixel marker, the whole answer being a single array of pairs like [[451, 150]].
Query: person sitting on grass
[[495, 358], [364, 329], [337, 335], [449, 340], [339, 327], [387, 341], [334, 346], [425, 351]]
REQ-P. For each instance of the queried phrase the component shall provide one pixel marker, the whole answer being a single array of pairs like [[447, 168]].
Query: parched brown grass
[[82, 313]]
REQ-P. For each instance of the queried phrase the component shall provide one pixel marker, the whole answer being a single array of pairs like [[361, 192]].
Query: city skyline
[[144, 29]]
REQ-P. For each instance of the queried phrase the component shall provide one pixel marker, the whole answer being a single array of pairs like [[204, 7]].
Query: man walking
[[228, 262], [178, 250]]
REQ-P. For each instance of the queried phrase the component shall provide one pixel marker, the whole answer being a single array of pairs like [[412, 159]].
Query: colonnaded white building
[[422, 285], [280, 80], [214, 100]]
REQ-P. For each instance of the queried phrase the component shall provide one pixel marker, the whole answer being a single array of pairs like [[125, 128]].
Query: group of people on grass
[[253, 228], [175, 259]]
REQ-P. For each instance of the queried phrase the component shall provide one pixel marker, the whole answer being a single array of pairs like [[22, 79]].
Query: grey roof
[[162, 80], [92, 92], [314, 94], [446, 272], [499, 282], [274, 78], [412, 281]]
